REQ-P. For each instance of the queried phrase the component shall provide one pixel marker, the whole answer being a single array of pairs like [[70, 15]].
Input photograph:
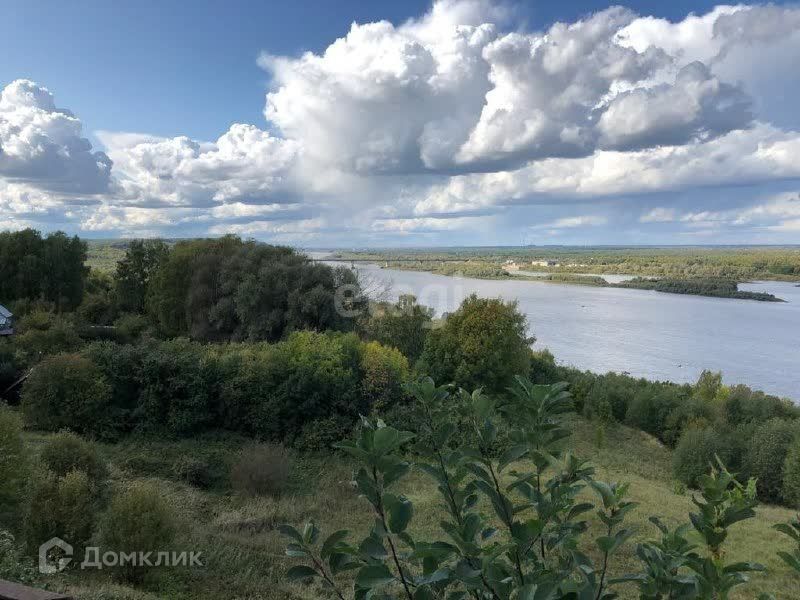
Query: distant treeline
[[738, 263], [698, 286]]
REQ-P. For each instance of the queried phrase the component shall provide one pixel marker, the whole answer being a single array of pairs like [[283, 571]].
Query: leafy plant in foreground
[[514, 525], [792, 529], [527, 549]]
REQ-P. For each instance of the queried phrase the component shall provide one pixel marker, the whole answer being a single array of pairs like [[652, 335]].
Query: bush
[[137, 520], [385, 370], [483, 343], [121, 366], [404, 325], [44, 333], [130, 327], [544, 368], [177, 388], [766, 456], [695, 454], [791, 476], [68, 391], [274, 392], [14, 471], [201, 472], [744, 405], [261, 470], [649, 410], [14, 565], [63, 507], [691, 412], [322, 434], [66, 452]]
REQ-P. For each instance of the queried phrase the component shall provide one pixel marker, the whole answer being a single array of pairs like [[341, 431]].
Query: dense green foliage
[[137, 520], [699, 286], [13, 469], [133, 273], [67, 391], [309, 388], [227, 289], [791, 475], [48, 269], [483, 343], [766, 456], [532, 546], [404, 325]]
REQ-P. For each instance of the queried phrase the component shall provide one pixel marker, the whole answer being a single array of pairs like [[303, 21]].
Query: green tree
[[67, 391], [404, 325], [142, 259], [137, 520], [36, 268], [483, 343], [766, 456]]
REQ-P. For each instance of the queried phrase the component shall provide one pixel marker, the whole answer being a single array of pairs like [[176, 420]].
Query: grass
[[243, 552]]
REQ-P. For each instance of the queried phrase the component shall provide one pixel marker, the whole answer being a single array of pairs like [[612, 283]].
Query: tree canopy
[[229, 289], [39, 268]]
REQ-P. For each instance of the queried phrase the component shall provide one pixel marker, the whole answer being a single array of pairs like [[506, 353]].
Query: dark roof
[[4, 312]]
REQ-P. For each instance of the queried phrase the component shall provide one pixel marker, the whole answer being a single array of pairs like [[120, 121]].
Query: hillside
[[244, 556]]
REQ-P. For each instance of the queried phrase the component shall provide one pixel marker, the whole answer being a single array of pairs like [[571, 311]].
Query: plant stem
[[508, 517], [325, 576], [382, 516]]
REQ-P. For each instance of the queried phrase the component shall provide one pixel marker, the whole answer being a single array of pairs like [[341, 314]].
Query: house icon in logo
[[54, 556]]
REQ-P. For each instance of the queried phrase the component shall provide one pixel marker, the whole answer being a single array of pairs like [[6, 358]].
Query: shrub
[[137, 520], [404, 325], [385, 370], [66, 452], [121, 366], [261, 470], [14, 471], [791, 476], [695, 454], [744, 405], [63, 507], [543, 367], [14, 565], [130, 327], [67, 391], [276, 391], [649, 410], [177, 388], [689, 412], [322, 434], [201, 472], [42, 333], [483, 343], [766, 456]]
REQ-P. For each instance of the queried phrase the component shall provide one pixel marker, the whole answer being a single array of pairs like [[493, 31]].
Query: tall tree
[[142, 259]]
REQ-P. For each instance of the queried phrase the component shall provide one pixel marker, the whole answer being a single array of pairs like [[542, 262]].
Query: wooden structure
[[15, 591]]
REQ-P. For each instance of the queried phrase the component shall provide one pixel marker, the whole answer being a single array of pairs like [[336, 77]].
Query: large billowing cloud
[[433, 96], [443, 124], [42, 144]]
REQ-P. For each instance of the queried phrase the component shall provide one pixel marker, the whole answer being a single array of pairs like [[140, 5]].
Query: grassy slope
[[244, 555]]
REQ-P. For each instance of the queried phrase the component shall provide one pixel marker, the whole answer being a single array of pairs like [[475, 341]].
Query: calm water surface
[[646, 333]]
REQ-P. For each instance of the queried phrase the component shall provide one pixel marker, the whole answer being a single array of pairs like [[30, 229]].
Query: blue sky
[[643, 125]]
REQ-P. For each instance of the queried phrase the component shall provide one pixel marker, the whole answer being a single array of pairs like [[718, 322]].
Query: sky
[[354, 123]]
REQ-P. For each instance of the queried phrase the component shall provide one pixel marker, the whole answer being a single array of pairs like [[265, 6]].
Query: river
[[645, 333]]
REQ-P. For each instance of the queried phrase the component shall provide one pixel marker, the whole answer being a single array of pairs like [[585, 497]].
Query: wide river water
[[645, 333]]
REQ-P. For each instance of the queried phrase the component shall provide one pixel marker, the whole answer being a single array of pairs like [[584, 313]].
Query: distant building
[[6, 321], [510, 265], [544, 263]]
